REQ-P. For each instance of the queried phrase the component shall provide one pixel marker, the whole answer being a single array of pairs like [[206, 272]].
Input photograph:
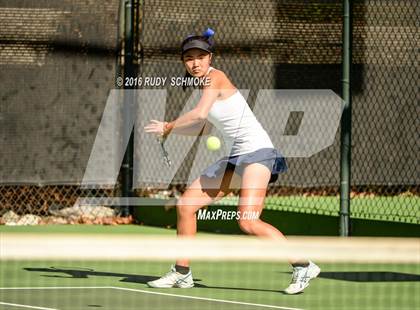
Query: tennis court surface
[[76, 271]]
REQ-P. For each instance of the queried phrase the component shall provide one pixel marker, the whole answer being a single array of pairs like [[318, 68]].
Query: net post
[[345, 147], [129, 71]]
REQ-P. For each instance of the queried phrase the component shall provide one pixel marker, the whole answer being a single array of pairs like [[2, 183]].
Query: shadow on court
[[369, 276], [83, 273]]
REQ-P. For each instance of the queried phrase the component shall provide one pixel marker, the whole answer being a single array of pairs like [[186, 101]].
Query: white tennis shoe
[[173, 279], [301, 277]]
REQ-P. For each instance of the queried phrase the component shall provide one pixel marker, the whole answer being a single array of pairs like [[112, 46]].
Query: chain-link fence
[[297, 45], [385, 109], [59, 65], [58, 61]]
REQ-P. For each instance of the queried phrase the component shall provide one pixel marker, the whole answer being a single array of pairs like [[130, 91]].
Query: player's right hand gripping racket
[[165, 155]]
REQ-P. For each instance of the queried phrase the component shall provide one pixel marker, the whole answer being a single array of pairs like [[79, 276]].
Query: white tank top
[[242, 132]]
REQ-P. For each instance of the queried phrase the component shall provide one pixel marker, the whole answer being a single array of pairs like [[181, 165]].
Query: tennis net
[[44, 271]]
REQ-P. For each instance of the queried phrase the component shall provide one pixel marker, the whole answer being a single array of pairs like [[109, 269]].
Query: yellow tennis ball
[[213, 143]]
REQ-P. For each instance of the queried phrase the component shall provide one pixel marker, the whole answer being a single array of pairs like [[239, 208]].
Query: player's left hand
[[156, 127]]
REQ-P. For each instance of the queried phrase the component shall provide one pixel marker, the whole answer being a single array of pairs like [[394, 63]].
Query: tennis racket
[[164, 152]]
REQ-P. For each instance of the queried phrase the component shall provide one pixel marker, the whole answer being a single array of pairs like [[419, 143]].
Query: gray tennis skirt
[[269, 157]]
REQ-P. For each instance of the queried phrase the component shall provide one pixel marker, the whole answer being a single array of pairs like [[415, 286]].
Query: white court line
[[207, 299], [52, 287], [25, 306], [148, 292]]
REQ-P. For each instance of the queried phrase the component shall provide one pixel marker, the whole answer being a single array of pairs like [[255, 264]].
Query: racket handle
[[165, 155]]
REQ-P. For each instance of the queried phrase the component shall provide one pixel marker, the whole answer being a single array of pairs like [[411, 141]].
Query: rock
[[10, 218], [86, 211], [29, 219], [161, 194], [54, 220]]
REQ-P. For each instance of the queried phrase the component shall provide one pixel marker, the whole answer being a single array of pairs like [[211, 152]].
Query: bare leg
[[202, 192], [253, 190]]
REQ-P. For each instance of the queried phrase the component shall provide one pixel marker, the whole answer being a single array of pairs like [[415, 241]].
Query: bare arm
[[197, 116], [200, 129], [199, 113], [193, 121]]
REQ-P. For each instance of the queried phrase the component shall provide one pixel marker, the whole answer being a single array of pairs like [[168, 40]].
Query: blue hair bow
[[208, 33]]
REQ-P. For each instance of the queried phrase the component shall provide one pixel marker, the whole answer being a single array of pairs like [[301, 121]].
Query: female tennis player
[[253, 162]]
